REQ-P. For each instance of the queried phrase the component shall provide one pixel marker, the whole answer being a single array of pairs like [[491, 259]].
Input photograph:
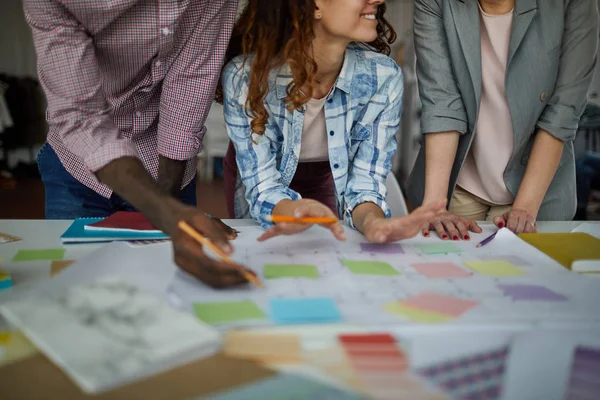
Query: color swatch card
[[435, 270], [370, 268], [438, 248], [275, 271], [106, 333], [494, 268], [430, 307], [304, 311], [228, 312], [39, 255], [519, 292], [584, 382], [384, 248]]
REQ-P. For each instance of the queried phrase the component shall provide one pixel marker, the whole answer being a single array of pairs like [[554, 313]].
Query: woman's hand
[[382, 230], [450, 226], [517, 220], [300, 209]]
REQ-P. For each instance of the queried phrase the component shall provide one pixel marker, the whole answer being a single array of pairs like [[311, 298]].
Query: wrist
[[530, 207]]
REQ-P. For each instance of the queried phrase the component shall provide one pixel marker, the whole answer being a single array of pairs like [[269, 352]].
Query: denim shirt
[[362, 115]]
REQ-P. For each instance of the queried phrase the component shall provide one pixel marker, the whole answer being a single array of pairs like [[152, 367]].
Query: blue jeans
[[588, 170], [67, 198]]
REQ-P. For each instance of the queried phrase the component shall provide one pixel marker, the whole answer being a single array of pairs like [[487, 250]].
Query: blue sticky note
[[285, 387], [304, 311]]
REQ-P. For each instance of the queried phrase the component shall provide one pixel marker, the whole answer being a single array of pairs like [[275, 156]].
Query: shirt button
[[165, 31], [138, 114], [158, 63], [544, 97], [331, 133], [336, 166]]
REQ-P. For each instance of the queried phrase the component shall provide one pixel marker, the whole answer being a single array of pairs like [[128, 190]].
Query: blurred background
[[23, 127]]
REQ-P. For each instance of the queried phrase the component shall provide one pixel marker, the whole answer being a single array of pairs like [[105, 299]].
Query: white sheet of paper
[[587, 227]]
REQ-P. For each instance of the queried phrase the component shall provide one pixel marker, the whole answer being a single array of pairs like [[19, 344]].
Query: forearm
[[130, 180], [440, 153], [170, 175], [365, 213], [543, 163]]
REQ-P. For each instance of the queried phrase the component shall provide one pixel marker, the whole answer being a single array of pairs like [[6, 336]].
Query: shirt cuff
[[269, 201], [559, 121], [109, 152], [365, 198], [180, 146], [443, 121]]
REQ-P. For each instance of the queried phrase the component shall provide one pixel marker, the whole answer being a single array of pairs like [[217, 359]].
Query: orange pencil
[[304, 220], [206, 242]]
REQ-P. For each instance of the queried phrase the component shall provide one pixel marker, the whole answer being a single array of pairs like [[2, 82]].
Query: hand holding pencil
[[294, 216]]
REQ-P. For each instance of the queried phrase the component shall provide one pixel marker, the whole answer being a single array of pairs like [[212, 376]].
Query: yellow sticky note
[[415, 314], [494, 268], [5, 338]]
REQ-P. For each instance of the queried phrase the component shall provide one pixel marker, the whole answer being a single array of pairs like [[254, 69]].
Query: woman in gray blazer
[[503, 84]]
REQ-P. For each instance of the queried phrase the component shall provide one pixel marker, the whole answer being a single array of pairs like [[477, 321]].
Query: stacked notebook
[[122, 225]]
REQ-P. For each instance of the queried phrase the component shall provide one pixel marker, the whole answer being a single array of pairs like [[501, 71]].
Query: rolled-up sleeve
[[442, 106], [189, 86], [578, 58], [256, 161], [373, 161], [72, 81]]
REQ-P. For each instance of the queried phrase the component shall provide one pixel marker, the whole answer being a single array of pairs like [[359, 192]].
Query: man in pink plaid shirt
[[129, 84]]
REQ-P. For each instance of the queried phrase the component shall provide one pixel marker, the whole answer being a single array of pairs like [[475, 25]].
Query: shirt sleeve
[[72, 81], [442, 107], [578, 50], [256, 161], [373, 161], [189, 86]]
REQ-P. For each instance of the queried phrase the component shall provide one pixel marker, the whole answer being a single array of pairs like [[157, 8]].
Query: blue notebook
[[78, 234]]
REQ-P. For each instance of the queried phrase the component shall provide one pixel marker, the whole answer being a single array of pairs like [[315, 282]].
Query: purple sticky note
[[385, 248], [531, 292]]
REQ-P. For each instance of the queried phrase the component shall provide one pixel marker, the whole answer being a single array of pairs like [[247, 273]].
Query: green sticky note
[[438, 248], [274, 271], [35, 255], [225, 312], [494, 268], [370, 267]]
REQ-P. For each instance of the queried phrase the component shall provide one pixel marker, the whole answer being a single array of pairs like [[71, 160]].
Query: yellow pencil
[[304, 220], [206, 242]]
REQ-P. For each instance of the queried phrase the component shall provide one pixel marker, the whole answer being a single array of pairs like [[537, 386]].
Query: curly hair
[[279, 32]]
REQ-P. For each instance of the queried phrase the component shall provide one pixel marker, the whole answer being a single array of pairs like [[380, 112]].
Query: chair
[[395, 197], [215, 142]]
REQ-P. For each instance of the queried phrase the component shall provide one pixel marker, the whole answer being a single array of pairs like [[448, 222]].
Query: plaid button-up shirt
[[362, 115], [128, 78]]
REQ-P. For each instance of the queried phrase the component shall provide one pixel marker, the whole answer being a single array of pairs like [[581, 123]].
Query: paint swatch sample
[[584, 383], [531, 292], [59, 265], [370, 268], [383, 248], [226, 312], [475, 377], [415, 314], [263, 348], [36, 255], [438, 248], [439, 303], [304, 311], [440, 270], [284, 386], [511, 258], [274, 271], [495, 268]]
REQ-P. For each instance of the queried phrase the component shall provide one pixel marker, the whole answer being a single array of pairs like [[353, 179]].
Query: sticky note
[[370, 267], [438, 248], [415, 314], [274, 271], [59, 265], [531, 292], [494, 268], [265, 348], [300, 310], [227, 312], [440, 270], [35, 255], [384, 248], [439, 303], [515, 260]]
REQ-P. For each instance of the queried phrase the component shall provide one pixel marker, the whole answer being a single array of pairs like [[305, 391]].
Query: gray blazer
[[551, 62]]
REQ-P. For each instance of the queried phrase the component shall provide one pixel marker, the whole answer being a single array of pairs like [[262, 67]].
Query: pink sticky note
[[440, 270], [439, 303]]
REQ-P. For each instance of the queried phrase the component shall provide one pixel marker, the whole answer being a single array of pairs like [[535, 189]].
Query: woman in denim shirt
[[312, 106]]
